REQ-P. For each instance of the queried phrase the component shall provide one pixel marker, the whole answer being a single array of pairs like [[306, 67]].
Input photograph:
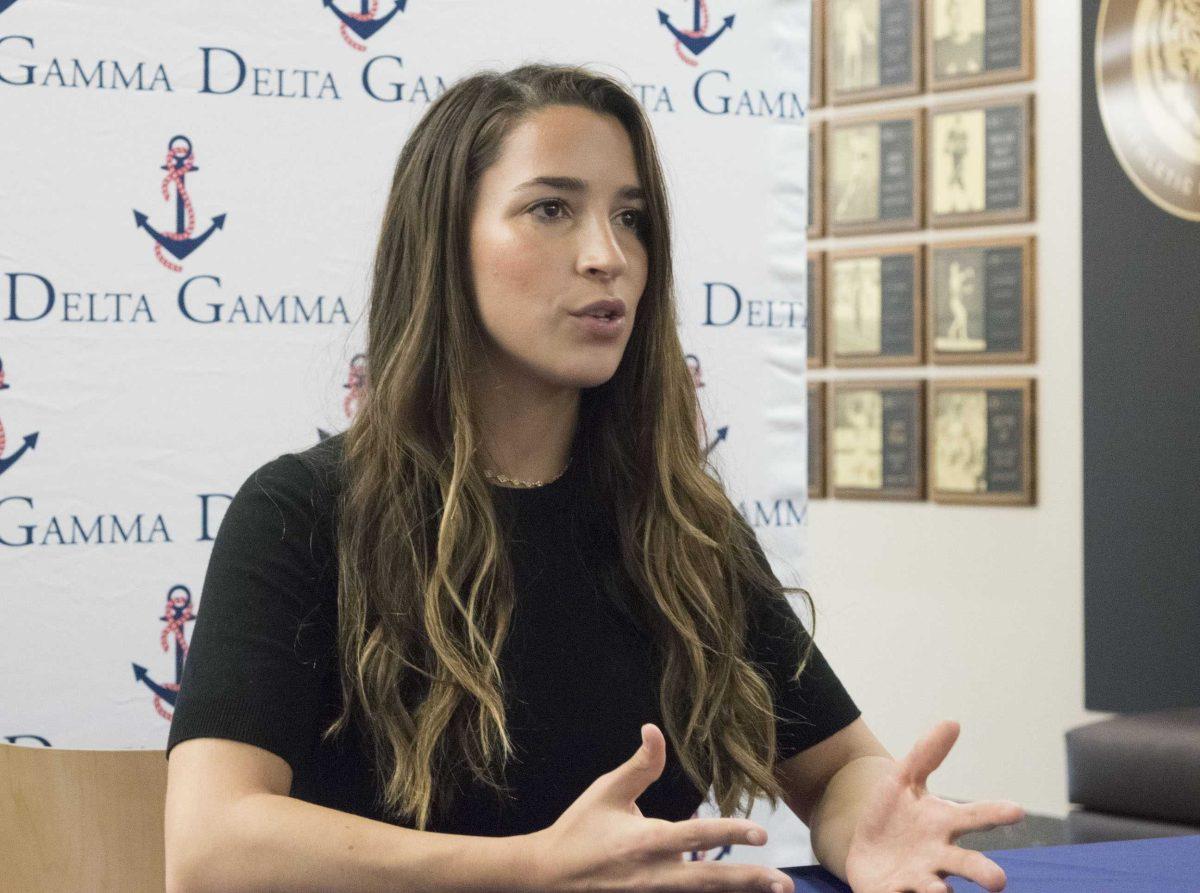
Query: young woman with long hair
[[507, 630]]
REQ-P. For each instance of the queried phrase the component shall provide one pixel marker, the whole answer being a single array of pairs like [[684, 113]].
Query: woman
[[428, 646]]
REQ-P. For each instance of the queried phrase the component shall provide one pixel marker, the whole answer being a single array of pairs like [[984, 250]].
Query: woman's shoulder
[[293, 494], [312, 471], [323, 461]]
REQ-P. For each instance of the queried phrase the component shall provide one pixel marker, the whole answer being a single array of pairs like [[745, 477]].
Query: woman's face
[[541, 252]]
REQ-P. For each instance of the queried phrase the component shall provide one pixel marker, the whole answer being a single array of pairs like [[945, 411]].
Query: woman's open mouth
[[604, 324]]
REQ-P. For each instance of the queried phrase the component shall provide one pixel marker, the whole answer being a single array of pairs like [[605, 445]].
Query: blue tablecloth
[[1156, 865]]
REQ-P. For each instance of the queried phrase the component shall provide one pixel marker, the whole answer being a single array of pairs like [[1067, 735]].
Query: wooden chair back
[[75, 820]]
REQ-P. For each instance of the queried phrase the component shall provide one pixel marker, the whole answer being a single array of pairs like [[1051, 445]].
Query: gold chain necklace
[[505, 479]]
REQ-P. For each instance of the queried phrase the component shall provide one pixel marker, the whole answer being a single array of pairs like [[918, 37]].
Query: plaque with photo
[[816, 179], [981, 439], [875, 307], [816, 440], [816, 309], [970, 43], [816, 54], [981, 163], [873, 183], [876, 439], [981, 301], [872, 50]]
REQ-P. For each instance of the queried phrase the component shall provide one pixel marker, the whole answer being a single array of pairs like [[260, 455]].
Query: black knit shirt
[[579, 672]]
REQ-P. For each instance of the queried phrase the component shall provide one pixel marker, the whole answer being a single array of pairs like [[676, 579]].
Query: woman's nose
[[599, 248]]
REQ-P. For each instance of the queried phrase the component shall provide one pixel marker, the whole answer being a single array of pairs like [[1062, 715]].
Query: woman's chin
[[590, 375]]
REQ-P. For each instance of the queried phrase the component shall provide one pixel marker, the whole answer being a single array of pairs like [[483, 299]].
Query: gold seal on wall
[[1148, 86]]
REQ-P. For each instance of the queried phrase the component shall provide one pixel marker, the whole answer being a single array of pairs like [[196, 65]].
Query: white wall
[[973, 613]]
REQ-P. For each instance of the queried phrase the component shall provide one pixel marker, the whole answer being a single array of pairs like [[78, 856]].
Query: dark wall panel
[[1141, 431]]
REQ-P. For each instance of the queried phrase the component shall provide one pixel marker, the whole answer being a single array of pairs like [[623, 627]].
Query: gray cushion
[[1143, 765]]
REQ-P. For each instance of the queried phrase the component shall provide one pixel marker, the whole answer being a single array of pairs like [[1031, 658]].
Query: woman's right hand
[[603, 842]]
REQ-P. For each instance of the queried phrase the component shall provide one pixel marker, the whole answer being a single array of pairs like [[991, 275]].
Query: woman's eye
[[553, 202], [639, 218], [634, 219]]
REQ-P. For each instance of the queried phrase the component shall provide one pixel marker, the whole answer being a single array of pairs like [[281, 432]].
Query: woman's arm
[[278, 843], [229, 824]]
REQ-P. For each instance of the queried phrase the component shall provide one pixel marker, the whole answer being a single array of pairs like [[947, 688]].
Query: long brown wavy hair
[[425, 586]]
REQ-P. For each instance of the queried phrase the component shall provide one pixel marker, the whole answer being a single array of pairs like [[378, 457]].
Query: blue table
[[1156, 865]]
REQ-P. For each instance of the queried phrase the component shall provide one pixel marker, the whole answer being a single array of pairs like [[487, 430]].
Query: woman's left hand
[[904, 840]]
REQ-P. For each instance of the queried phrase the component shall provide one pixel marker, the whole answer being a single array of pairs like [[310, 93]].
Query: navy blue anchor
[[721, 432], [30, 440], [179, 248], [696, 45], [177, 613], [693, 363], [365, 27]]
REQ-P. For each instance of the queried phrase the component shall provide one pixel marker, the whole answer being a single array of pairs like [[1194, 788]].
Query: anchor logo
[[178, 612], [356, 380], [179, 244], [363, 23], [721, 432], [697, 40], [693, 363], [30, 441]]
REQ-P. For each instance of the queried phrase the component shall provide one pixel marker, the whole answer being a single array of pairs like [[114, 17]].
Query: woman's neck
[[528, 427]]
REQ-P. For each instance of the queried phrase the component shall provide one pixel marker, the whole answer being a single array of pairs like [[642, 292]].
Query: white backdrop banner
[[190, 196]]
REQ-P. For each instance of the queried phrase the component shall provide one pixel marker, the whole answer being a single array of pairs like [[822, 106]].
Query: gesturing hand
[[603, 842], [904, 840]]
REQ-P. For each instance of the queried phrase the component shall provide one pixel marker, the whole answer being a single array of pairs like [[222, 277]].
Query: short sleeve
[[816, 706], [260, 641]]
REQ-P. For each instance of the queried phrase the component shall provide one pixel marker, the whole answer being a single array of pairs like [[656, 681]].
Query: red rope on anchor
[[177, 613], [176, 174], [362, 17], [700, 33], [355, 384]]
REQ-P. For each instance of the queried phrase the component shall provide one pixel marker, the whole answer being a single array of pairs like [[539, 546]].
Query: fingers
[[927, 754], [726, 876], [704, 834], [986, 815], [975, 866], [629, 780]]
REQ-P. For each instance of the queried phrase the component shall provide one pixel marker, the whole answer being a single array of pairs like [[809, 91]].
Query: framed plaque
[[876, 439], [872, 50], [816, 54], [981, 441], [970, 43], [980, 301], [1146, 73], [816, 440], [816, 309], [981, 163], [873, 183], [816, 179], [875, 300]]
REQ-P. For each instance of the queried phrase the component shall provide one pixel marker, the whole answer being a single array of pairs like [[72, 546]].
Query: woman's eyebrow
[[574, 184]]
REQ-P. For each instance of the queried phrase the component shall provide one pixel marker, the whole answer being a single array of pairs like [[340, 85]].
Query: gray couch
[[1133, 776]]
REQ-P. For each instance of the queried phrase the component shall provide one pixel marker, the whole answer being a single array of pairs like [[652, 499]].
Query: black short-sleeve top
[[579, 673]]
